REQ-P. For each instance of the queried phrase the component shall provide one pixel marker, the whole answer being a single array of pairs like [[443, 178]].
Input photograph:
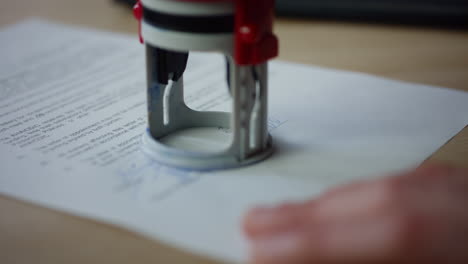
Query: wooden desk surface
[[31, 234]]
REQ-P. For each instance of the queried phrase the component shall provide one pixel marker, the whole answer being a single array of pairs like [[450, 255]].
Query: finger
[[291, 248], [442, 176], [369, 241], [388, 220], [267, 221], [352, 200], [378, 239], [433, 170], [354, 222], [356, 200]]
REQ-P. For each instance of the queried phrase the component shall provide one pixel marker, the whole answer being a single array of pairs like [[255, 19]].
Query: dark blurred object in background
[[128, 2], [439, 13], [443, 13]]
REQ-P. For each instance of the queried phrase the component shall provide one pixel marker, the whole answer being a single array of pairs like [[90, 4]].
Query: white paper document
[[73, 110]]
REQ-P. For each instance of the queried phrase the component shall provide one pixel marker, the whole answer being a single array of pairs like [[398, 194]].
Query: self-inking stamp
[[239, 29]]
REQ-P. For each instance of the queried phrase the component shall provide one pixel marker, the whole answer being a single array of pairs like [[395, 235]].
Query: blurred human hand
[[419, 216]]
